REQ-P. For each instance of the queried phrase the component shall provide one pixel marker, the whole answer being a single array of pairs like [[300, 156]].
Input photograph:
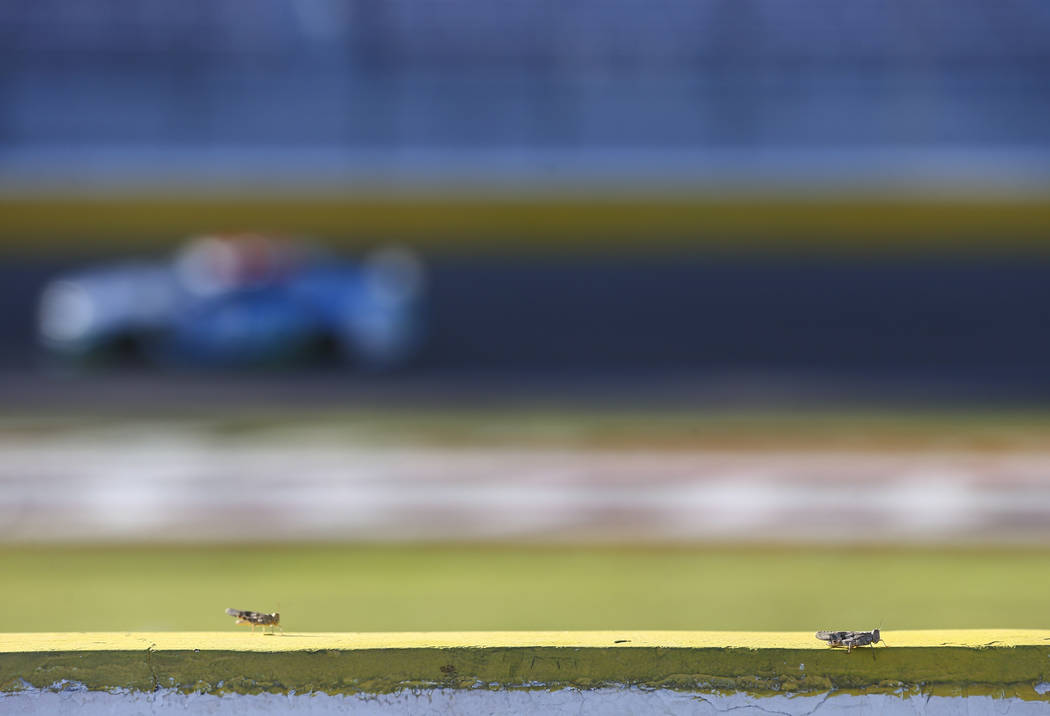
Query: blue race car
[[239, 301]]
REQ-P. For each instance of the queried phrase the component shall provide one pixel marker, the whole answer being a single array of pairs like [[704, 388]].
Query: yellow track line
[[557, 223]]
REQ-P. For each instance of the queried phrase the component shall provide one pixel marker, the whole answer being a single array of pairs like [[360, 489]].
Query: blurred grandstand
[[730, 94]]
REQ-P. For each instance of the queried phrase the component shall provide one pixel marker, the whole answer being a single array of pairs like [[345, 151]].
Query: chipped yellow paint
[[1014, 663], [246, 640]]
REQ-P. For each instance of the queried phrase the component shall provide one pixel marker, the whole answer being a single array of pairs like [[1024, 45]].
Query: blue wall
[[210, 82]]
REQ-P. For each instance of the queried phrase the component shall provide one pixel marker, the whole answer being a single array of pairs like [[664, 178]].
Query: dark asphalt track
[[670, 329]]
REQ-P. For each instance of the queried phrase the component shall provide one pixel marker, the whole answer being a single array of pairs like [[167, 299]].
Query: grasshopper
[[850, 639], [257, 619]]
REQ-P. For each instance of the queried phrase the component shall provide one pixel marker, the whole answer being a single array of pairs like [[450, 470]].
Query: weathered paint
[[1002, 663], [244, 640], [577, 702]]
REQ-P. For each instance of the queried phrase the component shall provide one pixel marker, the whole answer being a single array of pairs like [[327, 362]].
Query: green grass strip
[[467, 587]]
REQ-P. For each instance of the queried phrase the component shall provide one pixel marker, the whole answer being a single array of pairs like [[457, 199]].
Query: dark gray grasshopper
[[850, 639], [257, 619]]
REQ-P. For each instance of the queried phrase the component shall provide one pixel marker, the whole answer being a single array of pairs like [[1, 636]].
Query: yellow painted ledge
[[1012, 663], [245, 640]]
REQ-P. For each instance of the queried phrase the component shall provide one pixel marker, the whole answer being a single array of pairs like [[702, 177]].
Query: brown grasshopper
[[257, 619], [850, 639]]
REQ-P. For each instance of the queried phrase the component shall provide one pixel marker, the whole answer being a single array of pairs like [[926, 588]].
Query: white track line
[[155, 485]]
